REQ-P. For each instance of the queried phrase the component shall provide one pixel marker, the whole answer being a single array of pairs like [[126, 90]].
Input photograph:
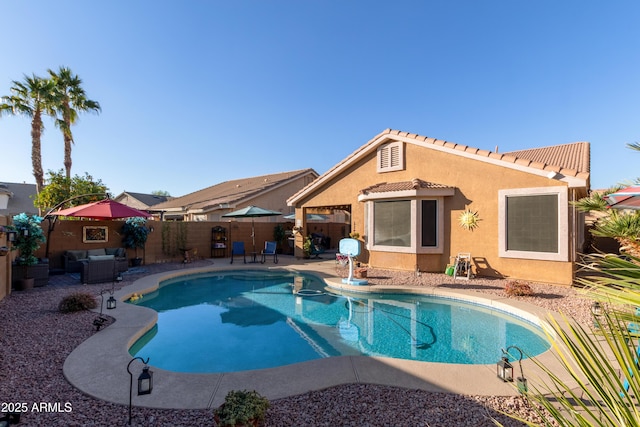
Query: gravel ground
[[35, 339]]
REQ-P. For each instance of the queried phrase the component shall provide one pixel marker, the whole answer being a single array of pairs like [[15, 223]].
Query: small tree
[[28, 239], [135, 233], [60, 188]]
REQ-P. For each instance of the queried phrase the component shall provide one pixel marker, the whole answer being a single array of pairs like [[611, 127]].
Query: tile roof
[[568, 160], [414, 184], [147, 199], [21, 199], [573, 156], [233, 191]]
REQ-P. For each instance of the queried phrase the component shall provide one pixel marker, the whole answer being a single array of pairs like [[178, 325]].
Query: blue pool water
[[241, 320]]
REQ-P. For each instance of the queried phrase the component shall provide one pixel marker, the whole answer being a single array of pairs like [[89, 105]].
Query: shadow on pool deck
[[96, 366]]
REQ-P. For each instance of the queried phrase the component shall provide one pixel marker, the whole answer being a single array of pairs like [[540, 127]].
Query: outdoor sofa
[[72, 259], [98, 269]]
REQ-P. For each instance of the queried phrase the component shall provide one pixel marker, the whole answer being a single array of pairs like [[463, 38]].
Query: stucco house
[[140, 201], [209, 204], [16, 198], [407, 196]]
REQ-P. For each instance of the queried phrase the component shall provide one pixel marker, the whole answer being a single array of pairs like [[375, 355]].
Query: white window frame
[[416, 227], [563, 223], [390, 157]]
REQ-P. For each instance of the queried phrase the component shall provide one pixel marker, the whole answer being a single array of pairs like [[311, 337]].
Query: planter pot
[[26, 284], [136, 262]]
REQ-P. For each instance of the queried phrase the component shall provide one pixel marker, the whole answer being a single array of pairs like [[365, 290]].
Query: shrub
[[77, 301], [515, 288], [242, 407]]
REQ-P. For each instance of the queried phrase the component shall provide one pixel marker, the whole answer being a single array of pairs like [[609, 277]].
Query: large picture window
[[533, 223], [411, 226], [392, 223]]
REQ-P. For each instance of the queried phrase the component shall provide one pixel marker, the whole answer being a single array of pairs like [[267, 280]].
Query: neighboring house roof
[[143, 199], [570, 161], [20, 198], [229, 194]]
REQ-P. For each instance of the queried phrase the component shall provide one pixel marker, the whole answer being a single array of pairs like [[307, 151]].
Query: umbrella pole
[[253, 235]]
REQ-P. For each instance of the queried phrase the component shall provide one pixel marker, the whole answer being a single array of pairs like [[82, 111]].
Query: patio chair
[[269, 249], [237, 248]]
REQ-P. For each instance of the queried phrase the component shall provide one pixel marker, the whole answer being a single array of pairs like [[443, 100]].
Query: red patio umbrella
[[626, 198], [103, 209]]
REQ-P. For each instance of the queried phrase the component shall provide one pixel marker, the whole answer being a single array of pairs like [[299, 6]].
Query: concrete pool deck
[[97, 367]]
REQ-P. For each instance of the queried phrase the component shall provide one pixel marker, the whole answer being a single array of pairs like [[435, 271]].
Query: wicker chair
[[98, 271]]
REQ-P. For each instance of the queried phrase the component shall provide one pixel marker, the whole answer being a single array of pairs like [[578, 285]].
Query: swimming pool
[[242, 320]]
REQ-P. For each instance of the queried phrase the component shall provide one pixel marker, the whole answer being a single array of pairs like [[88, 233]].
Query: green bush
[[77, 301], [242, 407]]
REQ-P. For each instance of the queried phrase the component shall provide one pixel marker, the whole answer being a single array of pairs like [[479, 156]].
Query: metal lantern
[[505, 369], [145, 381], [596, 308], [111, 303]]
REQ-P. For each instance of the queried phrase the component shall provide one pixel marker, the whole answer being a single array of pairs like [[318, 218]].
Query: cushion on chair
[[100, 257], [100, 251], [76, 255]]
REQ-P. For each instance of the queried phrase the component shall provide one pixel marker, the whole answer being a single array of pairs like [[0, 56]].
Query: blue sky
[[194, 93]]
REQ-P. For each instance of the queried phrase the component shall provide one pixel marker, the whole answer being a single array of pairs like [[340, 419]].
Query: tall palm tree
[[32, 98], [71, 100]]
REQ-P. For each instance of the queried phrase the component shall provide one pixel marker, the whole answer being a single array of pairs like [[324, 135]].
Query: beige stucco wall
[[477, 184]]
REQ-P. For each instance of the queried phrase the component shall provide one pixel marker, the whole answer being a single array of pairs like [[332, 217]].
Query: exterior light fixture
[[596, 310], [111, 303], [145, 381], [11, 236], [505, 370]]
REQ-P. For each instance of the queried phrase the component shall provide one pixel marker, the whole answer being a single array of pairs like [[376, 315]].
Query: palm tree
[[71, 100], [32, 98]]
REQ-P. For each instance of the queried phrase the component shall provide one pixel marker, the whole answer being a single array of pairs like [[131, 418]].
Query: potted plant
[[306, 247], [29, 237], [242, 408], [134, 236], [279, 235]]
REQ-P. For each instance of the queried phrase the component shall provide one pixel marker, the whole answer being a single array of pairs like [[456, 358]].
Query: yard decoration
[[469, 220]]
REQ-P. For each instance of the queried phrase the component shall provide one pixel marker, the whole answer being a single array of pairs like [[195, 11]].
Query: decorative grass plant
[[77, 301]]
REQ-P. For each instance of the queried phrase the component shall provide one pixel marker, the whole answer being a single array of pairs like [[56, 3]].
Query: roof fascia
[[447, 147]]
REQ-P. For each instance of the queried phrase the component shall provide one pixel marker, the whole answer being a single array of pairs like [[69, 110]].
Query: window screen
[[532, 223], [392, 223]]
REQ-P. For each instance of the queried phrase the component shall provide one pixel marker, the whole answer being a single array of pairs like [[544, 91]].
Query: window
[[390, 157], [412, 226], [429, 233], [392, 223], [533, 223]]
